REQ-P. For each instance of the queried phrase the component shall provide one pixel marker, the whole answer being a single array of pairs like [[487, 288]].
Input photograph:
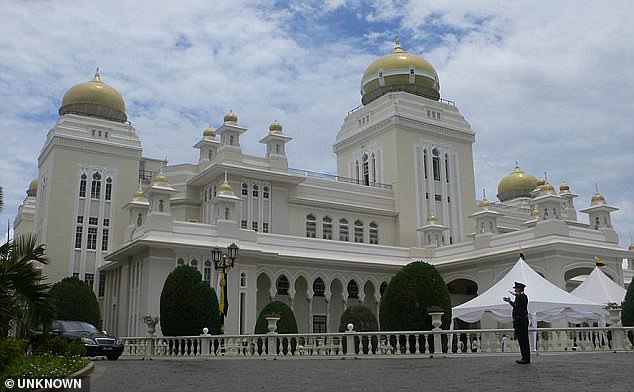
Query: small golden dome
[[209, 132], [631, 247], [32, 191], [564, 187], [548, 187], [275, 127], [541, 182], [160, 177], [432, 218], [597, 199], [94, 98], [231, 117], [138, 193], [516, 184], [535, 212], [484, 203], [399, 71], [225, 187]]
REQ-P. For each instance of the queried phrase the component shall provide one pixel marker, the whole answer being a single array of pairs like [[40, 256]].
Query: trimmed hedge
[[188, 304], [361, 317], [286, 324], [410, 294], [627, 309], [75, 300]]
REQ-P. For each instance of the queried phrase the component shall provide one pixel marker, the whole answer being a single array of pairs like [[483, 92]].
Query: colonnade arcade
[[318, 299]]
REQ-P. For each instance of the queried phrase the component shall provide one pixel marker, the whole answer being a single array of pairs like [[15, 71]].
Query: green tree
[[286, 324], [361, 317], [24, 298], [188, 304], [76, 301], [411, 293], [627, 309]]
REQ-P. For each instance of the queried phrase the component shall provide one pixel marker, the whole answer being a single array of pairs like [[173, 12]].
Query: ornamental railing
[[334, 177], [380, 344]]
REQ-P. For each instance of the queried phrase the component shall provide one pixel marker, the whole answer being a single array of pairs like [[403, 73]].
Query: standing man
[[520, 321]]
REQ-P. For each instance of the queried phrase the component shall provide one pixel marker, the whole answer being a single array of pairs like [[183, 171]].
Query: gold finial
[[484, 193], [397, 44], [97, 77], [596, 188]]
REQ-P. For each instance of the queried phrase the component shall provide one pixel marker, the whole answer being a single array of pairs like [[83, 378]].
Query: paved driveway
[[549, 372]]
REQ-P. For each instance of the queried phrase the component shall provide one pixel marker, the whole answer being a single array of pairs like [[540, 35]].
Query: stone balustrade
[[378, 344]]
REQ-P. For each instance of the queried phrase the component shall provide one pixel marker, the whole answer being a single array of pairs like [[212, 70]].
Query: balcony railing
[[333, 177], [380, 344]]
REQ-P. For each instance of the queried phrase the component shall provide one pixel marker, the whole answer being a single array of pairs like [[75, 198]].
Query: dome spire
[[397, 44], [97, 77]]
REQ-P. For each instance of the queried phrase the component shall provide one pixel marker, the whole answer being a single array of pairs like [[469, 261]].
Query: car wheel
[[112, 357]]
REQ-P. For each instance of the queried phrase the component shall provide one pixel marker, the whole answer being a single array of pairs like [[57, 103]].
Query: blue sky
[[547, 84]]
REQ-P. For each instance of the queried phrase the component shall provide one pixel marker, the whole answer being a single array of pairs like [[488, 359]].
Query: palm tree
[[24, 298]]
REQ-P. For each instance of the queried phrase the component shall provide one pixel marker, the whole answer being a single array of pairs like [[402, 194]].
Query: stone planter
[[272, 323], [615, 316], [436, 320]]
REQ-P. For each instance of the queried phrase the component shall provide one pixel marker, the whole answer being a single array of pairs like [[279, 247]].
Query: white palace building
[[404, 191]]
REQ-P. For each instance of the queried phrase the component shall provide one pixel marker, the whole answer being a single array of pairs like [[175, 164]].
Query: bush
[[411, 294], [364, 321], [10, 349], [188, 304], [286, 323], [627, 310], [59, 345], [76, 300]]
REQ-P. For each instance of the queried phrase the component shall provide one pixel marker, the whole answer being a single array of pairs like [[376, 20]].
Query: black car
[[96, 343]]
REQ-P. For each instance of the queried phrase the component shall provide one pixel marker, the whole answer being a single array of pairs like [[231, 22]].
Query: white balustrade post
[[436, 322], [204, 342], [615, 328], [350, 352], [150, 347], [272, 335]]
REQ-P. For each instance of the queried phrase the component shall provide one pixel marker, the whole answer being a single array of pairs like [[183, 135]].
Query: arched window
[[82, 185], [207, 271], [366, 170], [95, 188], [425, 162], [447, 167], [180, 261], [373, 167], [243, 280], [245, 189], [327, 228], [108, 188], [265, 191], [343, 230], [139, 220], [358, 231], [311, 226], [194, 263], [382, 288], [161, 207], [353, 289], [282, 285], [255, 190], [436, 164], [374, 233], [319, 288]]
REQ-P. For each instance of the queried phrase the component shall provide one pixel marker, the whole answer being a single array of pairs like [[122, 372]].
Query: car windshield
[[76, 326]]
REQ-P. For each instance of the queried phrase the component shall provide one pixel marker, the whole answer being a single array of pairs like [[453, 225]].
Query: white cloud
[[547, 84]]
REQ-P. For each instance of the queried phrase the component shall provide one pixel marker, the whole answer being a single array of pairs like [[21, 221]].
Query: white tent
[[598, 287], [546, 302]]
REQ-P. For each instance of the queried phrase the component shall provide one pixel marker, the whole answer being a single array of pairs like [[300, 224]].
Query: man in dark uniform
[[520, 321]]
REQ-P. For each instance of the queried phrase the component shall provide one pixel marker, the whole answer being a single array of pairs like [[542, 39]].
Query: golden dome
[[138, 193], [209, 132], [548, 187], [597, 199], [484, 203], [225, 187], [541, 182], [516, 184], [96, 99], [231, 117], [564, 188], [275, 127], [160, 177], [399, 71], [432, 218], [535, 212], [32, 191]]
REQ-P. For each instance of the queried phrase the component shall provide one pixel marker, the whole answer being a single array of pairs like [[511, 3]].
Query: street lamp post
[[222, 264]]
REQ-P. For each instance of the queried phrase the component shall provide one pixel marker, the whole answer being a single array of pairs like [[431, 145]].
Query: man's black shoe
[[522, 362]]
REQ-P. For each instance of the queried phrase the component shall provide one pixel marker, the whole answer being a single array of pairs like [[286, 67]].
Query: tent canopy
[[546, 302], [598, 287]]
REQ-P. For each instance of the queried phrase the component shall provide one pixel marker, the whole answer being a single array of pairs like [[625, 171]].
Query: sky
[[546, 84]]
